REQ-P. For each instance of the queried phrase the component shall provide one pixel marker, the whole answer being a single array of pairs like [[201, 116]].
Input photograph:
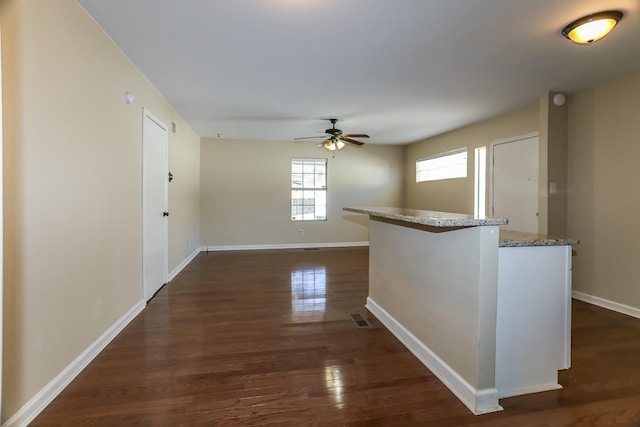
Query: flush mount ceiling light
[[591, 28]]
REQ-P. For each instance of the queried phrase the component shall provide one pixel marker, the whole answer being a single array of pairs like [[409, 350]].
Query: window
[[443, 166], [308, 189], [480, 183]]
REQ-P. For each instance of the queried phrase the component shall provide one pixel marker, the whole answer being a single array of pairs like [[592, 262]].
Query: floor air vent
[[360, 321]]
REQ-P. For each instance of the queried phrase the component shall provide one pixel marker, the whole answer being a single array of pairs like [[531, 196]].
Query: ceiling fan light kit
[[333, 144], [592, 28], [336, 139]]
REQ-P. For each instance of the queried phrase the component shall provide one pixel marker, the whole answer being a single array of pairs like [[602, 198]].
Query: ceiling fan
[[336, 139]]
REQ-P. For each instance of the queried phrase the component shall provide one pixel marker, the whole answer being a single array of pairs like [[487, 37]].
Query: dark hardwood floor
[[264, 338]]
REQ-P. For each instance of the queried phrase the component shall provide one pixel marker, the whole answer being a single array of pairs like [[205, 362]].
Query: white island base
[[490, 318]]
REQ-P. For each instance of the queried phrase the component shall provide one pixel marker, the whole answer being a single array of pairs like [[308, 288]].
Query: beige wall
[[245, 191], [553, 167], [456, 195], [604, 199], [72, 187], [184, 193]]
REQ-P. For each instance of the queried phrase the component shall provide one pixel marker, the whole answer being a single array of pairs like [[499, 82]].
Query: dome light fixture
[[592, 28]]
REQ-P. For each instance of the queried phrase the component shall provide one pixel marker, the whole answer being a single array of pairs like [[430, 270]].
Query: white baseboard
[[478, 401], [609, 305], [285, 246], [529, 390], [184, 263], [44, 397]]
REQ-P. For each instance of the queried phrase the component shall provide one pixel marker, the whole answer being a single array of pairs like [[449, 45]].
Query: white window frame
[[480, 182], [429, 169], [309, 197]]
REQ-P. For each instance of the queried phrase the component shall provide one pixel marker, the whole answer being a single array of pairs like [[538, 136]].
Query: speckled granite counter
[[512, 239], [430, 218], [446, 219]]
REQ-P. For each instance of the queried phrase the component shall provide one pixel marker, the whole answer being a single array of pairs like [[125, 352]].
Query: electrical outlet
[[187, 243], [301, 232]]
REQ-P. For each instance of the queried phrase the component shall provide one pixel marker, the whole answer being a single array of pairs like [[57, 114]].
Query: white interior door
[[514, 181], [155, 170]]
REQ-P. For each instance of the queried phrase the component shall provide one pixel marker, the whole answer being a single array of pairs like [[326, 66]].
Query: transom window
[[308, 189], [452, 164]]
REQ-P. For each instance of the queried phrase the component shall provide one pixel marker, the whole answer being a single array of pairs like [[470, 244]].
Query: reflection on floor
[[333, 382], [308, 293]]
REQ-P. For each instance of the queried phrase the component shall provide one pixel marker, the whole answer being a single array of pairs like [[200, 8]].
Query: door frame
[[491, 149], [146, 114], [1, 234]]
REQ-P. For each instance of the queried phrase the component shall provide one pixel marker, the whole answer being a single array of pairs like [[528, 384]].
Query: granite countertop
[[511, 239], [507, 238], [430, 218]]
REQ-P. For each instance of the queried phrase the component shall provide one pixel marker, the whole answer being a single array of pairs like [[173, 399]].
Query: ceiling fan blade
[[352, 141], [310, 137], [356, 135]]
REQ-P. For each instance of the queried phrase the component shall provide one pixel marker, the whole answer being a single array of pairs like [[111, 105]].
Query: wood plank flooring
[[264, 338]]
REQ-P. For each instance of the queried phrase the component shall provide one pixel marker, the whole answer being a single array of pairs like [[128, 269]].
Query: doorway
[[155, 171], [514, 182]]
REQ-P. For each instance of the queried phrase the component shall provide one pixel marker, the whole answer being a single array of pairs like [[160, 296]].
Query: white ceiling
[[399, 70]]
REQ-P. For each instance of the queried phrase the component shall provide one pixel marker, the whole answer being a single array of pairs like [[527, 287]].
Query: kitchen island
[[487, 311]]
